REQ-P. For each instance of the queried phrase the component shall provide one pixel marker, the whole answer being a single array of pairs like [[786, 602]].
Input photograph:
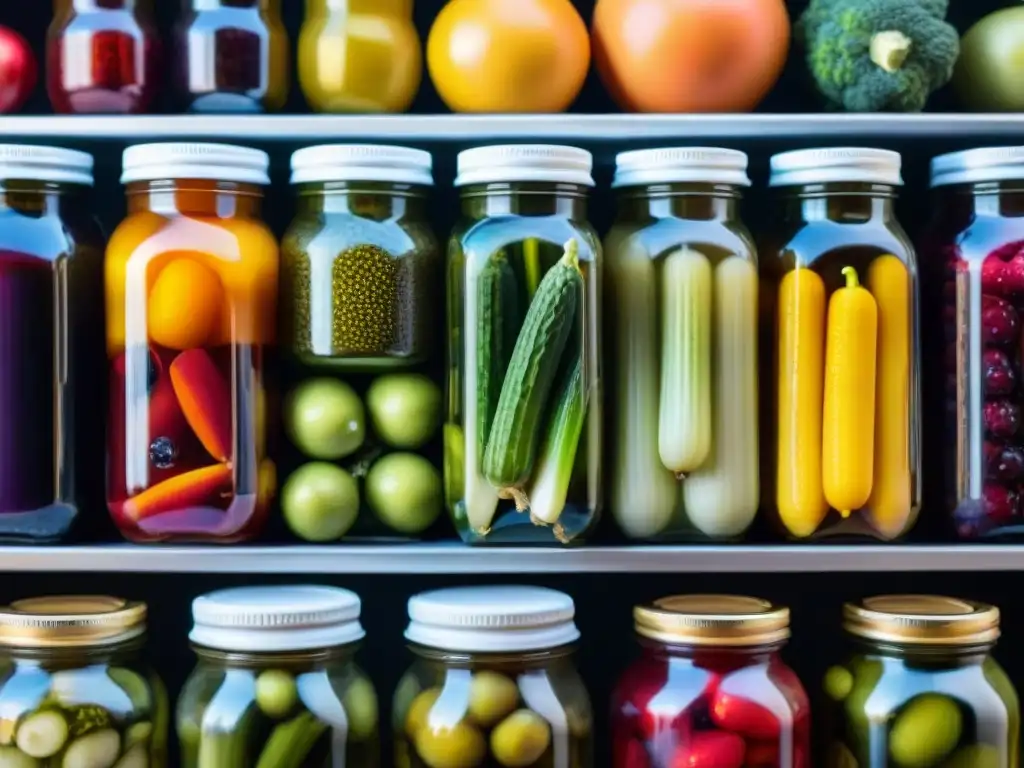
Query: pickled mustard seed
[[365, 301], [299, 276]]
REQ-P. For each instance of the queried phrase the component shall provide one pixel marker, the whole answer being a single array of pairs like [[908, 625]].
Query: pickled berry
[[993, 277], [1013, 275], [999, 376], [1010, 464], [1001, 504], [1007, 251], [970, 519], [163, 452], [998, 321], [1002, 418]]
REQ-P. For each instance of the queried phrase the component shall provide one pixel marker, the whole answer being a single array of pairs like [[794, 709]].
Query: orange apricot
[[185, 304]]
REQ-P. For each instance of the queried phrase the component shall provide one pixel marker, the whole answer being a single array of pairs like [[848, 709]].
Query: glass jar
[[51, 313], [710, 688], [681, 324], [493, 682], [920, 688], [276, 682], [524, 371], [102, 56], [191, 287], [74, 690], [359, 55], [231, 56], [976, 249], [839, 296]]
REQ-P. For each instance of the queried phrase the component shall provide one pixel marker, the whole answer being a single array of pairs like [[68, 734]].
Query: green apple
[[320, 502], [989, 75], [404, 491], [405, 409], [324, 418]]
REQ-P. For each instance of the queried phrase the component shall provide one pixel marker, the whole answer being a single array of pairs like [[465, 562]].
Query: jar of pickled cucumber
[[975, 250], [920, 688], [493, 684], [681, 323], [523, 432], [74, 690], [840, 408], [276, 682], [710, 688]]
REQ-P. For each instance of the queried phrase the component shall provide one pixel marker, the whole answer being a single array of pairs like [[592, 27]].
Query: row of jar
[[493, 683], [694, 383]]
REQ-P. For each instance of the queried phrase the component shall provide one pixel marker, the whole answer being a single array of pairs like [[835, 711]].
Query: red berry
[[998, 321], [710, 749], [970, 520], [1001, 504], [1002, 418], [999, 376], [1007, 251], [993, 277], [741, 715], [1009, 465]]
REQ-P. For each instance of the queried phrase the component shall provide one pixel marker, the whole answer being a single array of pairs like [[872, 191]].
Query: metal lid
[[712, 620], [922, 620], [362, 162], [710, 165], [71, 621], [836, 165], [24, 162], [525, 162], [279, 618], [492, 619], [978, 165], [216, 162]]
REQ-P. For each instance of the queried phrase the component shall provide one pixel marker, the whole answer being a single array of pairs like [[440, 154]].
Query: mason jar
[[276, 681], [51, 347], [840, 411], [681, 339], [74, 689], [523, 431], [920, 687], [191, 295], [493, 682]]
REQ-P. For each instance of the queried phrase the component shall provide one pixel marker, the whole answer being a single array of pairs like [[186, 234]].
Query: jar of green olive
[[276, 683], [920, 688], [74, 691], [493, 683]]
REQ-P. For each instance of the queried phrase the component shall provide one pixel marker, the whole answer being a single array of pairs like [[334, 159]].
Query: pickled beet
[[998, 321], [1002, 418], [1001, 504], [999, 376]]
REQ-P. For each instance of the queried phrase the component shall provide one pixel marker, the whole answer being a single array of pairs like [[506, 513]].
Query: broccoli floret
[[879, 55]]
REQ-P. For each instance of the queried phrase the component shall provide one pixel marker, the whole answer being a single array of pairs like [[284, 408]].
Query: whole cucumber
[[498, 327], [291, 742]]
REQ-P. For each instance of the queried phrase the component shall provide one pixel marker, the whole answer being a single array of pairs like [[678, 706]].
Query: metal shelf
[[454, 558], [462, 128]]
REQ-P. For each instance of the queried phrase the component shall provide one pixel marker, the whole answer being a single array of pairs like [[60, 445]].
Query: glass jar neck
[[34, 198], [76, 656], [317, 658], [377, 201], [842, 203], [374, 7], [999, 199], [946, 655], [525, 199], [704, 654], [198, 197], [534, 659], [698, 202]]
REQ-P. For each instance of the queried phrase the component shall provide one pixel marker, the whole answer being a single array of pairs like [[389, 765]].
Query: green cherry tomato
[[324, 418], [404, 491], [320, 502], [405, 409]]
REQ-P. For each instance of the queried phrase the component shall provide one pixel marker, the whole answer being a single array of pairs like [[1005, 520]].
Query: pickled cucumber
[[975, 756], [866, 674], [492, 696], [461, 746], [520, 739], [134, 758], [134, 685], [925, 731], [360, 704], [11, 757], [42, 734], [98, 749]]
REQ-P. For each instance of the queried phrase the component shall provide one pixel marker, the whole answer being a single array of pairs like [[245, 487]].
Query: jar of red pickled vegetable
[[493, 684], [839, 343], [710, 689], [920, 688], [231, 56], [191, 287], [102, 56], [51, 315], [976, 280], [684, 461]]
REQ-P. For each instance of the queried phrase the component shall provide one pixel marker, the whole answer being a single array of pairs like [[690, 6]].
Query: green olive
[[404, 491], [276, 693], [975, 756], [925, 731], [838, 682], [405, 409], [520, 739], [324, 418], [461, 746], [491, 697], [320, 502], [361, 709], [419, 711]]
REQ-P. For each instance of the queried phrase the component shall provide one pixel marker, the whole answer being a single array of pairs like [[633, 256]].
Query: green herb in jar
[[365, 301]]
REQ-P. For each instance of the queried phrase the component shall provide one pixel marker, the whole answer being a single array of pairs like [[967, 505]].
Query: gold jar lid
[[71, 621], [712, 620], [922, 620]]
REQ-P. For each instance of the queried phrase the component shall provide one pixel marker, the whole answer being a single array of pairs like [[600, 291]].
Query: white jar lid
[[25, 162], [217, 162], [836, 165], [525, 162], [670, 165], [978, 165], [492, 619], [362, 162], [279, 618]]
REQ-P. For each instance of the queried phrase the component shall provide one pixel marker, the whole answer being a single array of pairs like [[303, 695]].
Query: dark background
[[603, 601]]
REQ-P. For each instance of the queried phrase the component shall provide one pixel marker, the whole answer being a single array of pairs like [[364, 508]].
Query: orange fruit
[[185, 304]]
